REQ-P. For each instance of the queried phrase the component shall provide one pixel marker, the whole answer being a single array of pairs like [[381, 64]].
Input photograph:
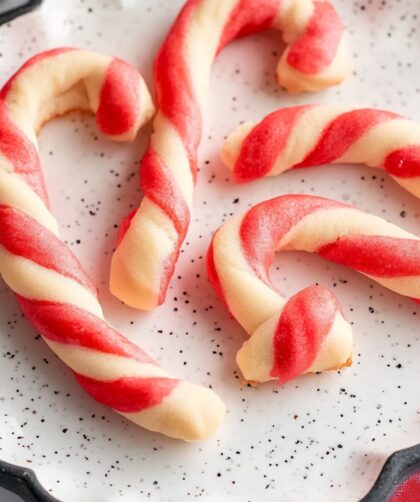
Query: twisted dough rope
[[307, 332], [305, 136], [150, 238], [55, 293]]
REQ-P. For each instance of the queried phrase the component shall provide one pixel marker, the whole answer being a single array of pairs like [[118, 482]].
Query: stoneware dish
[[320, 438]]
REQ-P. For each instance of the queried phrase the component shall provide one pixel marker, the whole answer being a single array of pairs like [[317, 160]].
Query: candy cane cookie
[[305, 136], [307, 332], [56, 295], [150, 238]]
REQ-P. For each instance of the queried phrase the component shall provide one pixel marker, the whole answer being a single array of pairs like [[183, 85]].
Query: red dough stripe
[[124, 226], [302, 327], [71, 325], [404, 163], [342, 133], [33, 60], [118, 112], [213, 275], [249, 16], [273, 132], [379, 256], [21, 153], [159, 186], [315, 50], [265, 224], [23, 236], [130, 394], [174, 90]]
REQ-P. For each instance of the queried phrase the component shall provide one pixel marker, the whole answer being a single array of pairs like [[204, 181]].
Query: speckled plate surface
[[319, 438]]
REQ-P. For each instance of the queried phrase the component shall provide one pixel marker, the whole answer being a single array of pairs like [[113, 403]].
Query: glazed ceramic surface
[[320, 438]]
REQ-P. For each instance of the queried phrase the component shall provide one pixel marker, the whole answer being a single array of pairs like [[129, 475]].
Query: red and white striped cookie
[[305, 136], [55, 293], [150, 238], [307, 332]]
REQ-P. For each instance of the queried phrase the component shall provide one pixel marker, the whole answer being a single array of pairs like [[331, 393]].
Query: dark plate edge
[[23, 482], [18, 11], [399, 466]]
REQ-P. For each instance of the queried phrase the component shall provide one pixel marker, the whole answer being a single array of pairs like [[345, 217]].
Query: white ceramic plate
[[319, 438]]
